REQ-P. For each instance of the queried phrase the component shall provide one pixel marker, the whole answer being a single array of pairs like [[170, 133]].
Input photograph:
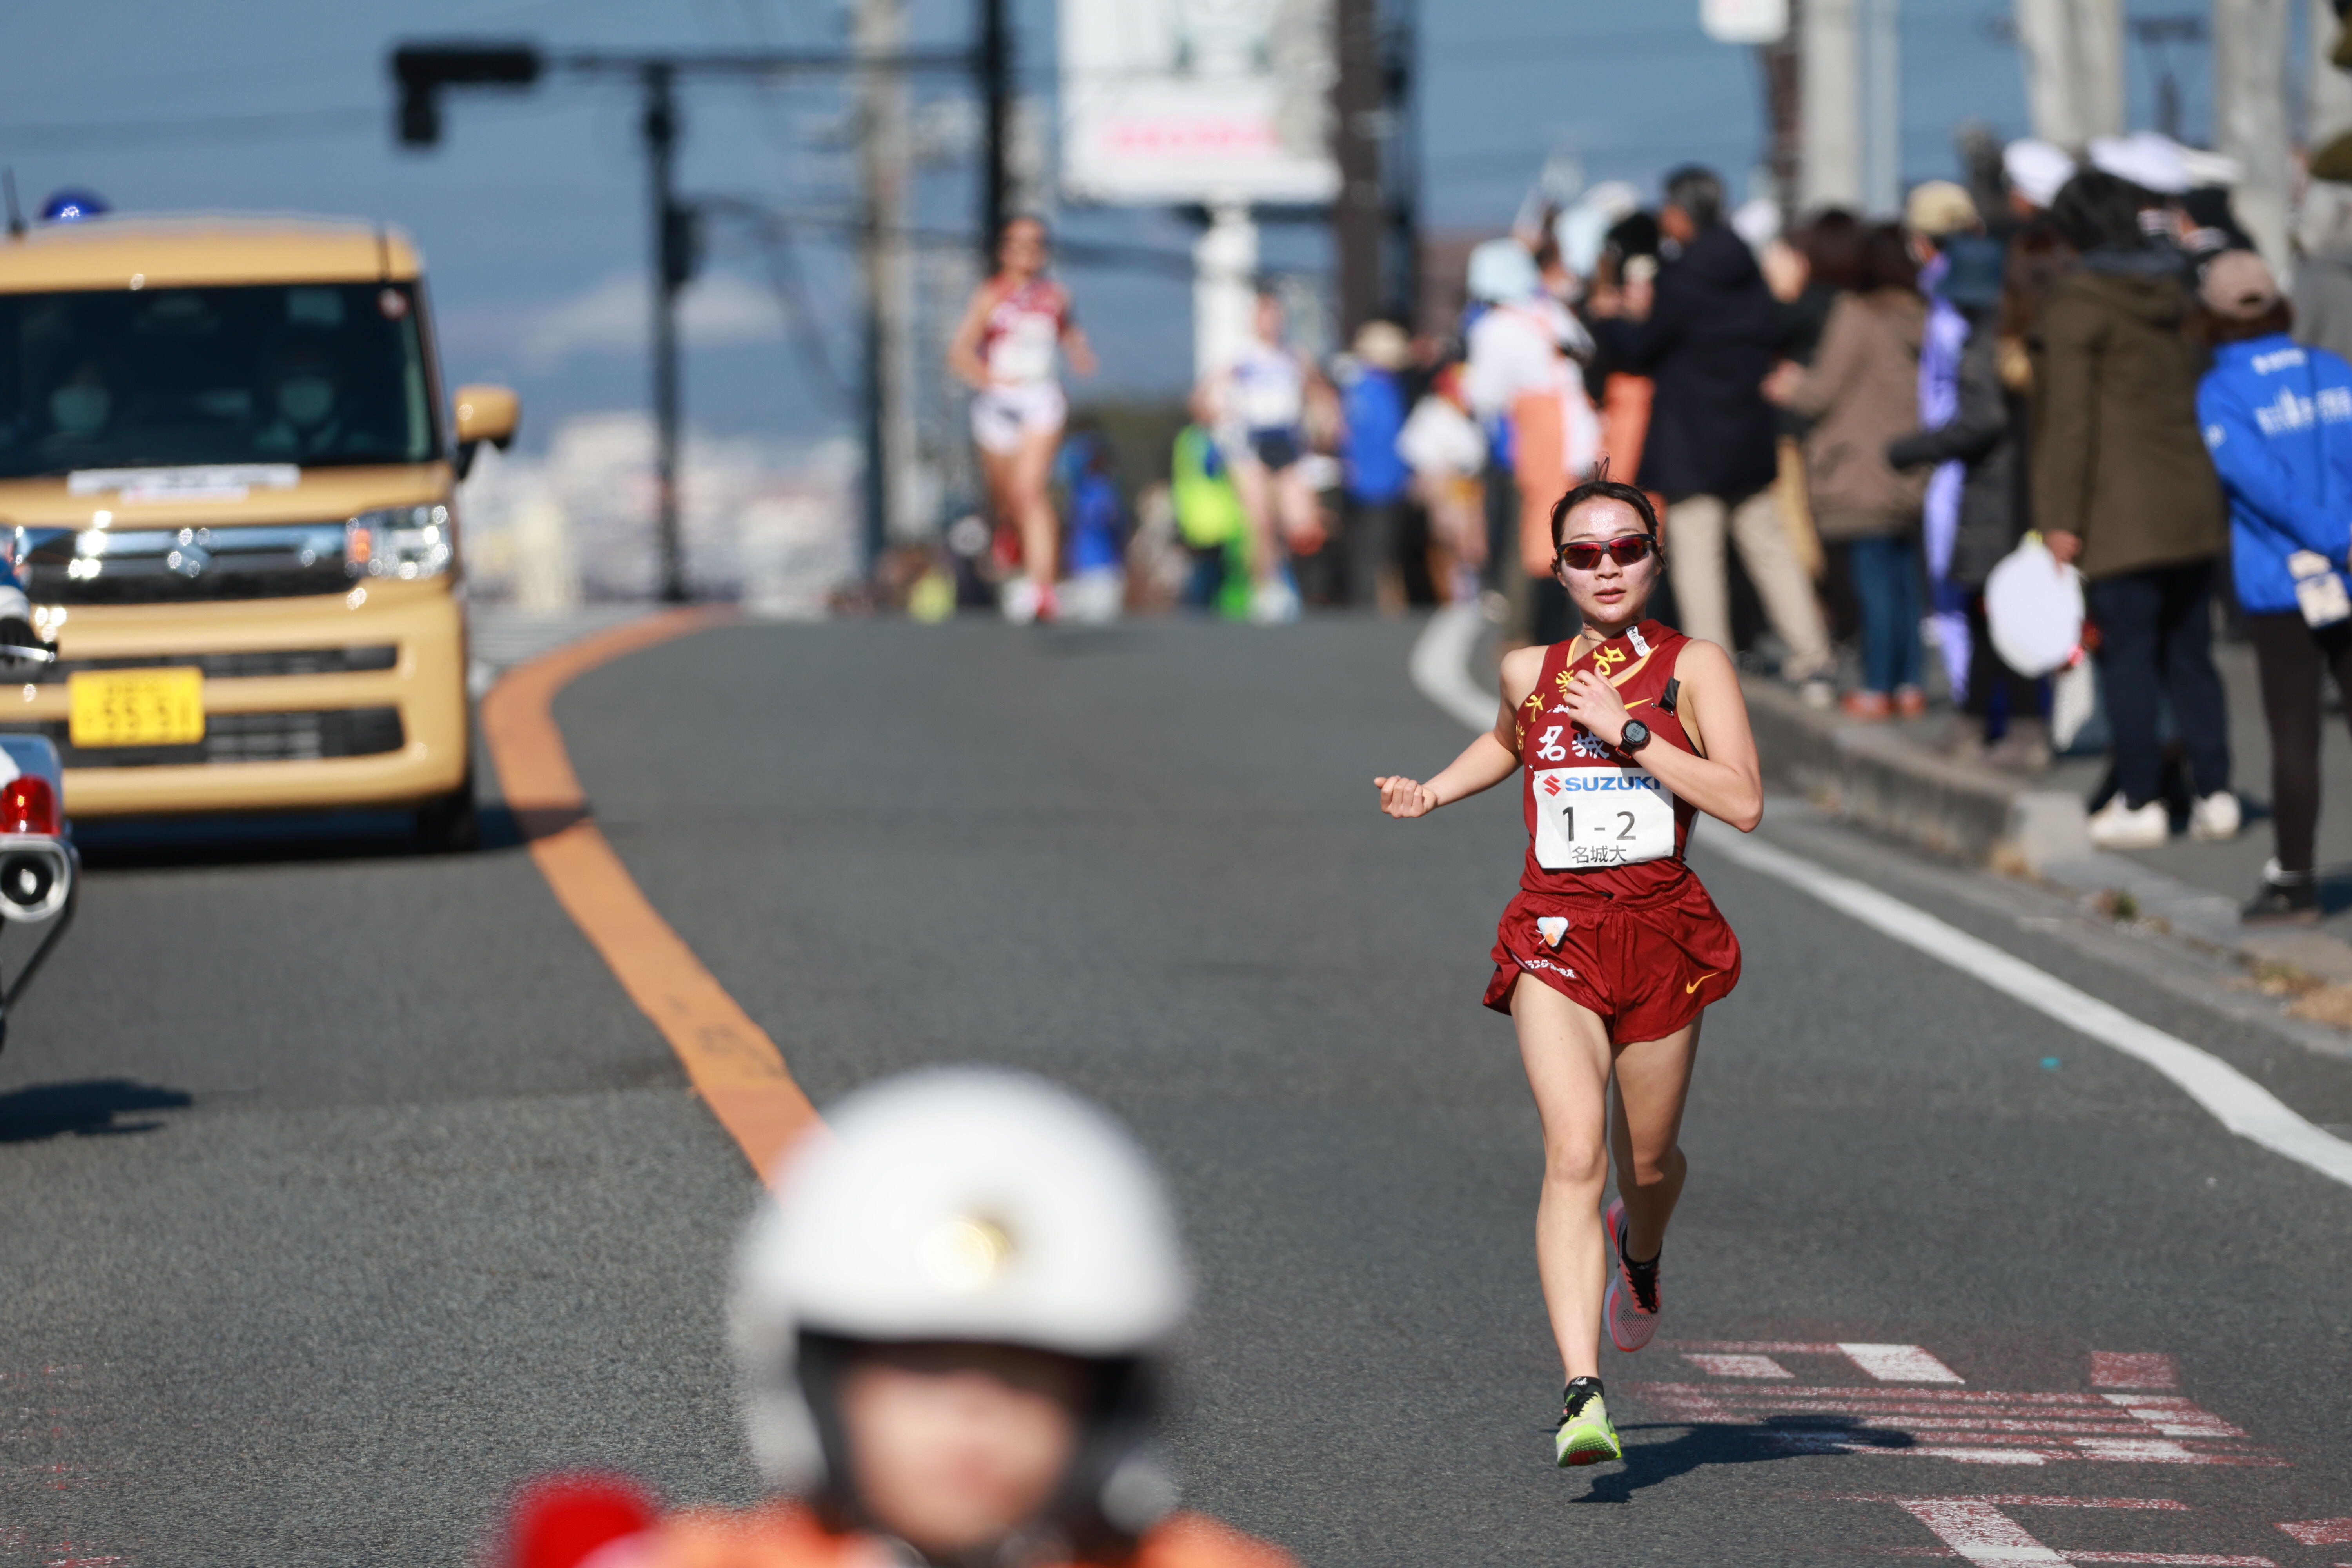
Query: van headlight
[[405, 541]]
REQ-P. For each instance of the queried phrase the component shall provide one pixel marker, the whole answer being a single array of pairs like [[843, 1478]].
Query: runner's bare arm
[[1485, 763], [1722, 777], [1080, 352], [963, 349]]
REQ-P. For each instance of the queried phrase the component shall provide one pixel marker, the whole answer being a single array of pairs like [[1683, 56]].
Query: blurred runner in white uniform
[[1018, 322], [1263, 403]]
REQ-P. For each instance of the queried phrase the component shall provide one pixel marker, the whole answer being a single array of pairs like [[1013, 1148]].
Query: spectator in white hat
[[2149, 159], [2035, 168]]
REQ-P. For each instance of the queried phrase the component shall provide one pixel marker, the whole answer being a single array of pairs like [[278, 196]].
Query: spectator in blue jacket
[[1373, 403], [2277, 419]]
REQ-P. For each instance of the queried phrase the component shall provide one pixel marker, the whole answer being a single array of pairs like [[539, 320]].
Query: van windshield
[[314, 374]]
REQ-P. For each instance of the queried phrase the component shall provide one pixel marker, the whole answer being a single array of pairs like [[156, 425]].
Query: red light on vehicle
[[28, 804], [563, 1521]]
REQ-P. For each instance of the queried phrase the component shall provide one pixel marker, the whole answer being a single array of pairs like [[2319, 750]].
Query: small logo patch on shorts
[[1548, 963], [1551, 928]]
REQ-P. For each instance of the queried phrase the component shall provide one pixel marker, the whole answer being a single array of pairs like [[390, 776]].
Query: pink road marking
[[2009, 1499], [1999, 1450], [2141, 1450], [2133, 1369], [1899, 1364], [1738, 1365], [1833, 1443], [1876, 1399], [2322, 1532], [1978, 1531], [1974, 1528], [2175, 1416]]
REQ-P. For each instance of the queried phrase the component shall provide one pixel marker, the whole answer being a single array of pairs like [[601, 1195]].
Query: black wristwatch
[[1636, 736]]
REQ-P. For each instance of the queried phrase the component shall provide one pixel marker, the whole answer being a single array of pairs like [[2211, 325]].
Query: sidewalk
[[1896, 777]]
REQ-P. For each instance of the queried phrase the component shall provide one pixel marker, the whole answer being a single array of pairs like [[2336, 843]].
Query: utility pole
[[1358, 127], [673, 268], [877, 31], [1881, 83], [1225, 269], [2331, 86], [1778, 62], [2250, 45], [994, 65], [1400, 69], [2074, 52], [425, 70], [1829, 77]]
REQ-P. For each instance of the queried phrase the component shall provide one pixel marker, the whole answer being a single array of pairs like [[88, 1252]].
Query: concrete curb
[[1874, 776]]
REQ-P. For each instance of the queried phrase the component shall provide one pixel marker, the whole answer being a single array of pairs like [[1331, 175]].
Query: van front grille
[[243, 663], [182, 566], [277, 737]]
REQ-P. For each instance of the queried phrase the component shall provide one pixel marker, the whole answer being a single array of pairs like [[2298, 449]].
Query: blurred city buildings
[[766, 523]]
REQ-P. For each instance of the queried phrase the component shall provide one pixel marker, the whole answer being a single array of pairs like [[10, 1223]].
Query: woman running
[[1267, 390], [1005, 347], [1612, 949]]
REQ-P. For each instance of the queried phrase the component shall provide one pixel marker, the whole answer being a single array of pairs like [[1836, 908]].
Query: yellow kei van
[[227, 485]]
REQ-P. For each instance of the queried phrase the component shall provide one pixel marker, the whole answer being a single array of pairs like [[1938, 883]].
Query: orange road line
[[734, 1066]]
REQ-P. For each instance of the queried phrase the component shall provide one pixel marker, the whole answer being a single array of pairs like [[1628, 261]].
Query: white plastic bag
[[2074, 698], [2034, 608], [2318, 590]]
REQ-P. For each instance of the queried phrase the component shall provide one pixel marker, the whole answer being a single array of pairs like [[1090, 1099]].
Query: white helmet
[[960, 1203]]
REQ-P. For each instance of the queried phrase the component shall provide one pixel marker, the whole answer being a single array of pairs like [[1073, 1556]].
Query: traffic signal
[[424, 70], [681, 244]]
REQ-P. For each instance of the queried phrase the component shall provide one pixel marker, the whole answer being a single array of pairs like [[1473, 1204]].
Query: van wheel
[[450, 824]]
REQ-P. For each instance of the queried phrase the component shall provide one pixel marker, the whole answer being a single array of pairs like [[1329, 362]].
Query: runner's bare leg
[[1565, 1050], [1645, 1125], [1301, 514], [996, 471], [1033, 506], [1256, 487]]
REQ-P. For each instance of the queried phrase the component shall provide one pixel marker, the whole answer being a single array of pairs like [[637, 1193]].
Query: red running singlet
[[1608, 913]]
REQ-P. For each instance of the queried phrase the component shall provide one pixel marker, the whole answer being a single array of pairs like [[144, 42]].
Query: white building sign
[[1745, 21], [1221, 102]]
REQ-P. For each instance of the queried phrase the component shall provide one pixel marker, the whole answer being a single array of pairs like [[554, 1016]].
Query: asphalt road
[[339, 1189]]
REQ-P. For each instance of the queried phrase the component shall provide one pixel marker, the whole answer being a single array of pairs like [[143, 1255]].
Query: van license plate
[[137, 707]]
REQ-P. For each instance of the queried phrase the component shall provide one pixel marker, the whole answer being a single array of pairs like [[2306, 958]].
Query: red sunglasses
[[1584, 557]]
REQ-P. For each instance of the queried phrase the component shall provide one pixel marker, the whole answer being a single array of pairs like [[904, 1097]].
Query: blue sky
[[530, 212]]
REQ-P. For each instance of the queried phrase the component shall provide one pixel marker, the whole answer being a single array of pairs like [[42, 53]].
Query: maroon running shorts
[[1645, 964]]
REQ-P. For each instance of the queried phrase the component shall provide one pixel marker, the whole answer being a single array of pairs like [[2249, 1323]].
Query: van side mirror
[[484, 413]]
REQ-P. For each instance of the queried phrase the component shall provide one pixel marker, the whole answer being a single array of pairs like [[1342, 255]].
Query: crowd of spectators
[[2083, 370]]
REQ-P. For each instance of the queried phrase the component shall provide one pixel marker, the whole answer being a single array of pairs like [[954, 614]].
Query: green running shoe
[[1585, 1435]]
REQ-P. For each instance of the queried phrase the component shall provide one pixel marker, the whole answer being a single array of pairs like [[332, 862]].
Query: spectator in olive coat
[[2123, 488]]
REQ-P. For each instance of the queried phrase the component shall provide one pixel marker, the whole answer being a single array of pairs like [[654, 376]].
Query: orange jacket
[[783, 1535]]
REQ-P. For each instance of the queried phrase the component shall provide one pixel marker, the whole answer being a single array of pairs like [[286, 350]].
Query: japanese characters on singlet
[[1597, 821], [1022, 332]]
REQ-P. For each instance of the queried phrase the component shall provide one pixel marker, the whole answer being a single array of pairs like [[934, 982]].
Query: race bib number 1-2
[[1590, 818]]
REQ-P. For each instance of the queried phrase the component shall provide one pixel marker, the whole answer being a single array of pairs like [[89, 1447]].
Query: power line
[[209, 128]]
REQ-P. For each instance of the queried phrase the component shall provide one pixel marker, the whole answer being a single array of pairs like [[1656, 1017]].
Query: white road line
[[1979, 1531], [2236, 1102], [1441, 665], [1899, 1364], [1738, 1365]]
